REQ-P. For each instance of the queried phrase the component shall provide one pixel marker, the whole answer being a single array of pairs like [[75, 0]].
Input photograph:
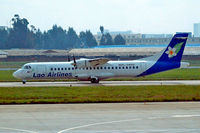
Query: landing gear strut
[[94, 80], [23, 81]]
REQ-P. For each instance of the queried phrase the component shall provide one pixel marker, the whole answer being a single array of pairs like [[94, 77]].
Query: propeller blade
[[74, 60], [68, 58]]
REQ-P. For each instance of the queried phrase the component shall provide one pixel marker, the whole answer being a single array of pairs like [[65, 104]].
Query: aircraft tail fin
[[174, 51], [169, 58]]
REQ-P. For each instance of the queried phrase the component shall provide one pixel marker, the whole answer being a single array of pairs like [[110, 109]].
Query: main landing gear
[[23, 81], [94, 80]]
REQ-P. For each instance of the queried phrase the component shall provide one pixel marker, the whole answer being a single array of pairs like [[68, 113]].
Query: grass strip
[[98, 94]]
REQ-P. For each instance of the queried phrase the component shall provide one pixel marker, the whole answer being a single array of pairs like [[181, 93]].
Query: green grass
[[176, 74], [7, 76], [98, 94]]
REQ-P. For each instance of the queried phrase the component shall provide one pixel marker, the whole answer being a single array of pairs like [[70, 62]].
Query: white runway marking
[[118, 121], [152, 118], [94, 124], [101, 118], [15, 129], [185, 116]]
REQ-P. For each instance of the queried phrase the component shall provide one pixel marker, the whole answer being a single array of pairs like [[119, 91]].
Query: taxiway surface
[[103, 83], [101, 118]]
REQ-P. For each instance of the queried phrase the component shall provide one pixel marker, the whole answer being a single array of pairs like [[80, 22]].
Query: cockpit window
[[27, 67]]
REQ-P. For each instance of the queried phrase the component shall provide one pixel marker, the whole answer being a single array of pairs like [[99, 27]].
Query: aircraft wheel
[[24, 82], [94, 80]]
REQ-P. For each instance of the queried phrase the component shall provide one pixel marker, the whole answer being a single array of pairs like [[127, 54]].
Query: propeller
[[68, 58], [74, 61]]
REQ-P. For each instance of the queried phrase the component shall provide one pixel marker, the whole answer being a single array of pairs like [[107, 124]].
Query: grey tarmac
[[102, 83], [157, 117]]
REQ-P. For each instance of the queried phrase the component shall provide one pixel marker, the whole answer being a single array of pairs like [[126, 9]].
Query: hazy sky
[[140, 16]]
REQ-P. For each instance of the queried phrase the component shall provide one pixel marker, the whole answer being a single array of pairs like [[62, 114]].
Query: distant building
[[128, 37], [3, 54], [157, 35], [196, 29], [116, 32], [149, 39]]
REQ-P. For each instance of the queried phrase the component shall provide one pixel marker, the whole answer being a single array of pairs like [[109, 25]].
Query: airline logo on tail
[[174, 51]]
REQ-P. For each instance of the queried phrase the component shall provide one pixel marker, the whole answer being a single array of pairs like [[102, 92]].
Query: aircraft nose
[[16, 74]]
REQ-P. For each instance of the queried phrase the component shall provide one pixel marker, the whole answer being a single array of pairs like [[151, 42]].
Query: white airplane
[[101, 68]]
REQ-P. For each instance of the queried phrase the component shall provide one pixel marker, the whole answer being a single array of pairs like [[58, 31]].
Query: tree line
[[21, 35]]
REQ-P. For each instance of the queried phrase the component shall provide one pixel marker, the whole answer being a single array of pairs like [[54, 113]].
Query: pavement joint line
[[103, 123], [118, 121], [15, 129], [99, 123], [184, 116]]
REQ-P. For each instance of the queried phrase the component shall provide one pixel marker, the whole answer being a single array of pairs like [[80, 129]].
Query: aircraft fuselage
[[64, 70]]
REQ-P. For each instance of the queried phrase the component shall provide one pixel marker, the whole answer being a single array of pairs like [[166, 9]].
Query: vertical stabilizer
[[170, 58]]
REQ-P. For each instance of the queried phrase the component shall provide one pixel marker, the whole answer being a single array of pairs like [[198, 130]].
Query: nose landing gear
[[23, 81]]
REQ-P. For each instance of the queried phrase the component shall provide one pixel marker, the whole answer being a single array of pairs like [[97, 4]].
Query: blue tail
[[174, 51], [171, 57]]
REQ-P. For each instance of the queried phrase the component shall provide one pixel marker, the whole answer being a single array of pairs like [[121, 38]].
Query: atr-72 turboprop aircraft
[[102, 68]]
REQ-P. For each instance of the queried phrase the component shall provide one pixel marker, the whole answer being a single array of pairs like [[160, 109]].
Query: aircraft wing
[[98, 61], [82, 63]]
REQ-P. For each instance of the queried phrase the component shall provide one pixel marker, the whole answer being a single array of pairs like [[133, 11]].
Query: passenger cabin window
[[51, 69]]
